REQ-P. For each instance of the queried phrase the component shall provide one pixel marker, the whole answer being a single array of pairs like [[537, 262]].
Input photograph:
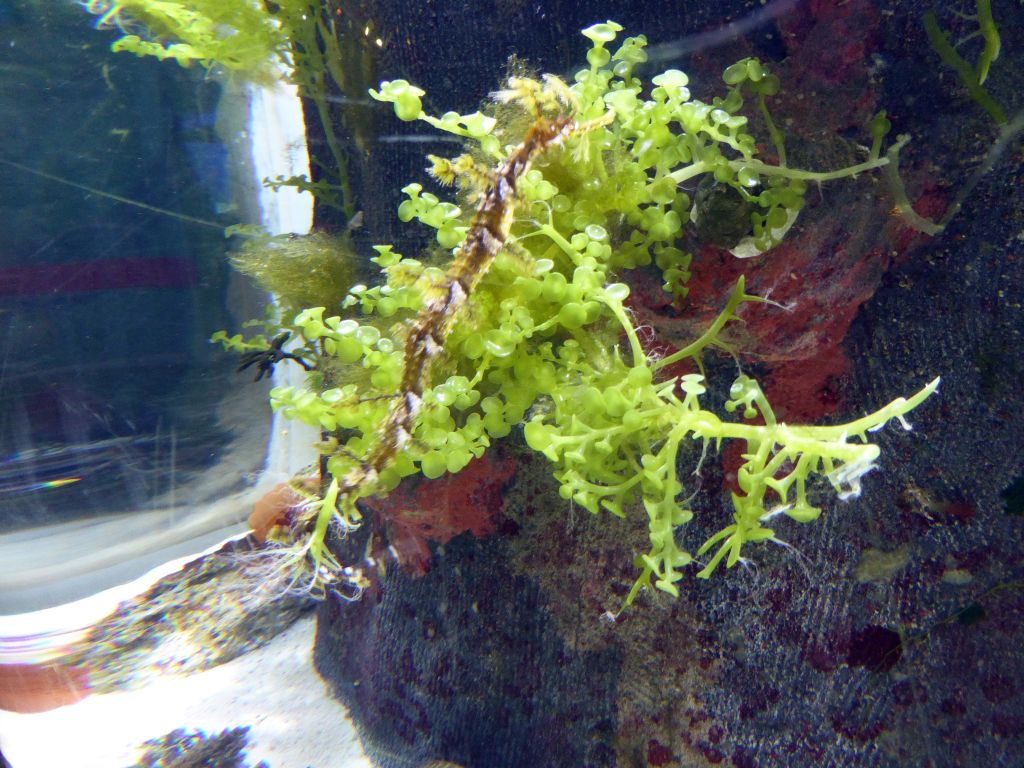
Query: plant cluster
[[545, 338], [972, 76], [252, 41], [235, 34]]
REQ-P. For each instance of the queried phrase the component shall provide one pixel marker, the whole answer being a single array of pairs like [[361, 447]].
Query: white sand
[[274, 690]]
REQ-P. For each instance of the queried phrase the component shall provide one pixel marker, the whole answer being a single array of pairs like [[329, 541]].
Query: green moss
[[313, 270]]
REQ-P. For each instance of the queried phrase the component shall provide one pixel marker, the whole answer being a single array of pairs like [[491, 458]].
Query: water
[[193, 578]]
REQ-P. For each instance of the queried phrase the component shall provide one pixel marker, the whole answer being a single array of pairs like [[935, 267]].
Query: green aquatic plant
[[238, 35], [971, 76], [253, 41], [563, 189]]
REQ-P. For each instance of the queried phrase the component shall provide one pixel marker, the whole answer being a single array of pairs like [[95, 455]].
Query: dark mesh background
[[498, 657]]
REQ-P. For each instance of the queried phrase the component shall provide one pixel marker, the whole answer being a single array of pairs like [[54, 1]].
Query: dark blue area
[[105, 307]]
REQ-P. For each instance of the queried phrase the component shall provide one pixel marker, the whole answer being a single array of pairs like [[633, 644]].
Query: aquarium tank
[[499, 385]]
